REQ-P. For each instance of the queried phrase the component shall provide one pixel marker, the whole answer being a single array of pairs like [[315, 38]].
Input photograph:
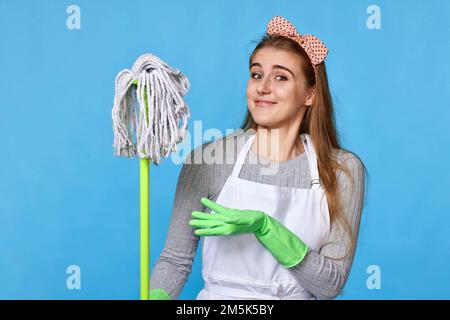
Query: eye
[[284, 78]]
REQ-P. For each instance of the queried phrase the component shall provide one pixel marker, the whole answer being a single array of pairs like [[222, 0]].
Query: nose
[[263, 87]]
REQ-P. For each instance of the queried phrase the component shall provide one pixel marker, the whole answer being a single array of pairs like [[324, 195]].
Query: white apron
[[239, 267]]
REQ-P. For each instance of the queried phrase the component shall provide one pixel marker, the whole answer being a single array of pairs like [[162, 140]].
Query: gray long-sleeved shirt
[[204, 174]]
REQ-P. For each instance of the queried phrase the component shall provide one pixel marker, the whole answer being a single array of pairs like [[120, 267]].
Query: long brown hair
[[319, 123]]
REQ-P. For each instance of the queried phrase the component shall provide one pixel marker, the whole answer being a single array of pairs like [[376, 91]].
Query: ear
[[310, 97]]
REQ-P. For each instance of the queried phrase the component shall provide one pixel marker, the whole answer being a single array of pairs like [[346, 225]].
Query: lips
[[264, 103]]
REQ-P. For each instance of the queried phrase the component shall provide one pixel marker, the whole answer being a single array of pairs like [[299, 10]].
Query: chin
[[265, 121]]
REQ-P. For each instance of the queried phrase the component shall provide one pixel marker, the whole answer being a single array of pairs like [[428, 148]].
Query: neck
[[277, 144]]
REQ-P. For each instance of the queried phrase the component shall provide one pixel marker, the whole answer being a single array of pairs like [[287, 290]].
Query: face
[[276, 90]]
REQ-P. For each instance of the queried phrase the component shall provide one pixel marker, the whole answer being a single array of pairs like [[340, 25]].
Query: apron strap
[[312, 158], [241, 157]]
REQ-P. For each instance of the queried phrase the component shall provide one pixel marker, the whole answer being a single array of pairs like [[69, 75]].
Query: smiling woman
[[303, 103], [287, 235]]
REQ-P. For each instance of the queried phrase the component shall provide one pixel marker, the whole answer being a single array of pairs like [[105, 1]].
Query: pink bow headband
[[315, 48]]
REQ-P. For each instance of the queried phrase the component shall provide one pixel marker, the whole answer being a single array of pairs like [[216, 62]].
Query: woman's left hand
[[226, 221]]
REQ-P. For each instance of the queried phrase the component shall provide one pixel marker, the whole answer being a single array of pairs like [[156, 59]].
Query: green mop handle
[[144, 220], [144, 228]]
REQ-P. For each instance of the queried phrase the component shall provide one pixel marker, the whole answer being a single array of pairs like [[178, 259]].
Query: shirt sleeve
[[174, 265], [325, 273]]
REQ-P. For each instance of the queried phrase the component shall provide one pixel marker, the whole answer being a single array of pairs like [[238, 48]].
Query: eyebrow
[[276, 66]]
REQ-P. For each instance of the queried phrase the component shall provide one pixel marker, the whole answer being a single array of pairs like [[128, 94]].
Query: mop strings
[[155, 131]]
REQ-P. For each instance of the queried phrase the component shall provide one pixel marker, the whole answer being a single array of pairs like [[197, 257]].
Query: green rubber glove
[[159, 294], [282, 243], [226, 221]]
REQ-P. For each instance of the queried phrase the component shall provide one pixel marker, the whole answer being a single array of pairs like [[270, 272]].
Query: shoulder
[[195, 156], [222, 150], [348, 158], [204, 165], [352, 179], [352, 162]]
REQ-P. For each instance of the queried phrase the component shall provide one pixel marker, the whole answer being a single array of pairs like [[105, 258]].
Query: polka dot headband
[[315, 48]]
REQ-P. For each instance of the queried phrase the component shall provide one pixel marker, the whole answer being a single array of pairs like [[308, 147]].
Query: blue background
[[65, 200]]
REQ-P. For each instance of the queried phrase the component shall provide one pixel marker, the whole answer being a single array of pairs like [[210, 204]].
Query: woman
[[290, 234]]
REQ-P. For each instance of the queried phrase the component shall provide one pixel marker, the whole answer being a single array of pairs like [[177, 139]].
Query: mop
[[148, 108]]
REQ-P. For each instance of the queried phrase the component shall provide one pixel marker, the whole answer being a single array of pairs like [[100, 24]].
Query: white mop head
[[156, 136]]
